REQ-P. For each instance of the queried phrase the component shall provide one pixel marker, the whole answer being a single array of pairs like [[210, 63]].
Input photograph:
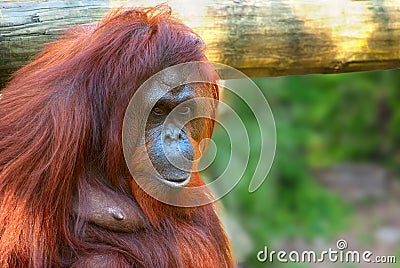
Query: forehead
[[191, 90], [181, 93], [185, 80]]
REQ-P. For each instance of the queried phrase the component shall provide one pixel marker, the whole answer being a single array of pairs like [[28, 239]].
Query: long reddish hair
[[60, 129]]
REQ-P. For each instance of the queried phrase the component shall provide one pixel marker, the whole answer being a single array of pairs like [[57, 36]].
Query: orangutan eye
[[159, 110], [184, 110]]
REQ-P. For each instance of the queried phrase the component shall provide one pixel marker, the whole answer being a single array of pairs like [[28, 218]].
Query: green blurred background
[[335, 173]]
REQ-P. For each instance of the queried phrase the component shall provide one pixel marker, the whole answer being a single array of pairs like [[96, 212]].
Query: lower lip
[[177, 183]]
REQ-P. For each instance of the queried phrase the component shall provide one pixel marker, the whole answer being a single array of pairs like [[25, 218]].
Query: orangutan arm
[[109, 209]]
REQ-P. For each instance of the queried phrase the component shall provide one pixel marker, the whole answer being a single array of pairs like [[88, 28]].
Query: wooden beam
[[262, 38]]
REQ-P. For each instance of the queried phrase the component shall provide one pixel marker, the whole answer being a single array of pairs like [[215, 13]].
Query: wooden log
[[261, 38]]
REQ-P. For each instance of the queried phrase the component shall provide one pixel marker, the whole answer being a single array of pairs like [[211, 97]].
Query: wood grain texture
[[261, 38]]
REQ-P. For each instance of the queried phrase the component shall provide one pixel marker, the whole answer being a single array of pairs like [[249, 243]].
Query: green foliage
[[354, 117], [321, 120]]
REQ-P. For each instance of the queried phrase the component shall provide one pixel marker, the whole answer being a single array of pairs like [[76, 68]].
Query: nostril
[[167, 134], [172, 134]]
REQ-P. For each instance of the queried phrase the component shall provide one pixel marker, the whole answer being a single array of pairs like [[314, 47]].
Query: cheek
[[197, 154], [200, 128], [195, 128]]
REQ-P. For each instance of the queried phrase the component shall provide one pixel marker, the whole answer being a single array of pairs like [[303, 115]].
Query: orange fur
[[61, 123]]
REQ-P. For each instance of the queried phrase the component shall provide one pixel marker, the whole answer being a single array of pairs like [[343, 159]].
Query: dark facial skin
[[171, 133]]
